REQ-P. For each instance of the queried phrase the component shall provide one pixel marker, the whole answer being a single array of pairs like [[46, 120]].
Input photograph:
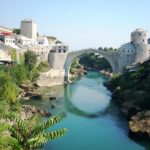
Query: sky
[[80, 23]]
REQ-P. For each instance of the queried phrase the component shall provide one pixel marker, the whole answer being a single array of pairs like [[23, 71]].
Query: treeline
[[108, 49], [12, 76], [131, 90], [94, 62], [15, 133]]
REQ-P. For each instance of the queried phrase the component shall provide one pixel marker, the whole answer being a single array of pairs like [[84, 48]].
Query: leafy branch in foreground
[[30, 133]]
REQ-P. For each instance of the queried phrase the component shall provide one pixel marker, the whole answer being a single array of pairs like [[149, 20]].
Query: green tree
[[100, 48], [21, 58], [16, 31], [106, 49], [18, 74], [31, 133], [13, 54], [111, 49], [8, 88], [43, 66], [30, 60]]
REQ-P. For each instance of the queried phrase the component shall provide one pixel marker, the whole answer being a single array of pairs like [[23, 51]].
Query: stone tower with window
[[57, 56], [139, 36], [135, 51]]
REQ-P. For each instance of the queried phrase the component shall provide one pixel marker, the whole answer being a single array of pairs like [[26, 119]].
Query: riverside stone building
[[137, 50]]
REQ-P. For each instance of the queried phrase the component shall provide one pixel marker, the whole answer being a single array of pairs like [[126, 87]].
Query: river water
[[93, 122]]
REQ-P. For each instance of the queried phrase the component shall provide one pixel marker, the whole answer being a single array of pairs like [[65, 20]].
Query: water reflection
[[106, 124]]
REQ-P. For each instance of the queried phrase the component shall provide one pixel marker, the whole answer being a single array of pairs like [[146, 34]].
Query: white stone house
[[9, 40], [42, 41], [22, 40]]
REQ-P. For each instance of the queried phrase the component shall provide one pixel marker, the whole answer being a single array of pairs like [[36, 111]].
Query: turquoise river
[[93, 121]]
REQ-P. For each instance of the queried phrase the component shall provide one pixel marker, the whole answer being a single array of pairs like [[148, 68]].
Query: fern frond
[[50, 122], [16, 134], [4, 127], [33, 122], [56, 134], [40, 139], [10, 143], [20, 124]]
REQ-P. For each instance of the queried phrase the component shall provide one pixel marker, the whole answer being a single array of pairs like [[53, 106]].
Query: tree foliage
[[13, 54], [8, 95], [16, 31], [8, 89], [92, 61], [110, 49], [31, 133], [30, 60], [19, 74], [135, 82]]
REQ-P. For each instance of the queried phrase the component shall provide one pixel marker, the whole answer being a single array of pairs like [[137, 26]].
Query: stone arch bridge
[[111, 57]]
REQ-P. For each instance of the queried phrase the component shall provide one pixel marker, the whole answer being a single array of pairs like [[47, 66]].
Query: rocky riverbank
[[131, 92], [107, 73], [28, 91], [77, 72], [27, 111]]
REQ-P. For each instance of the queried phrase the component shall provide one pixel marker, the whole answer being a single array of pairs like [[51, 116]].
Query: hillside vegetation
[[132, 89]]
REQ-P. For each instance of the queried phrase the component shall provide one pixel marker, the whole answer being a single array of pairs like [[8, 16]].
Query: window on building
[[53, 51], [123, 51], [64, 51], [128, 51], [59, 51]]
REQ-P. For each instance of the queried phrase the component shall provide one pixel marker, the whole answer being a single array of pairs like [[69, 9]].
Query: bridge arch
[[109, 56]]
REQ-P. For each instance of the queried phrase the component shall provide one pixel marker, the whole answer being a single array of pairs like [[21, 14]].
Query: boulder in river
[[27, 111], [44, 113], [139, 125], [33, 94]]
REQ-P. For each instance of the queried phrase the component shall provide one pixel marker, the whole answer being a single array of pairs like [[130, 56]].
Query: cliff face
[[131, 91]]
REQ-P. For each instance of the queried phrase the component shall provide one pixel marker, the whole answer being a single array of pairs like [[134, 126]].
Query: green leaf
[[50, 122]]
